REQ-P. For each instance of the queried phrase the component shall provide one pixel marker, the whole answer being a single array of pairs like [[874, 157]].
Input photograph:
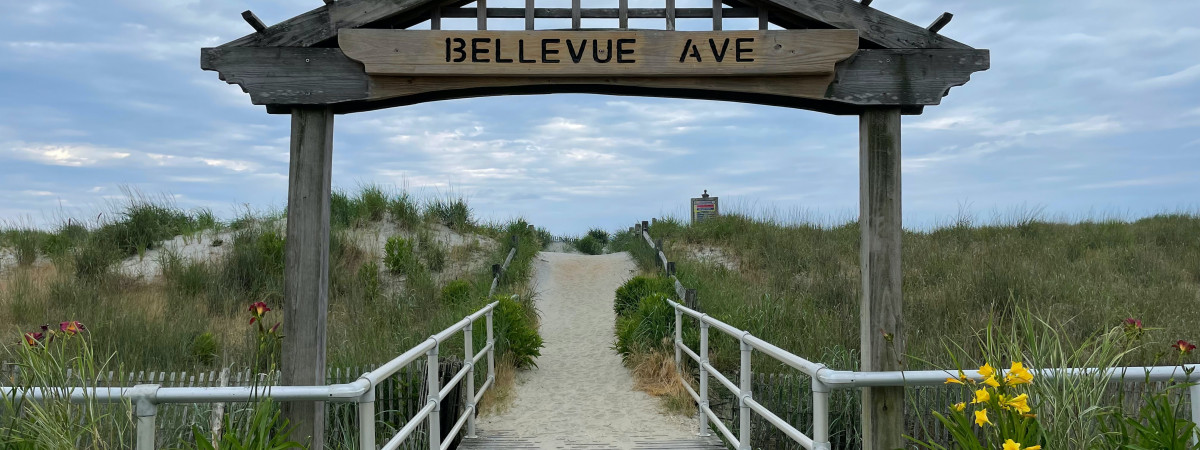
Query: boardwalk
[[580, 396]]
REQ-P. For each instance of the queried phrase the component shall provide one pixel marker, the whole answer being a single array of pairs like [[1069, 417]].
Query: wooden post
[[881, 313], [306, 267]]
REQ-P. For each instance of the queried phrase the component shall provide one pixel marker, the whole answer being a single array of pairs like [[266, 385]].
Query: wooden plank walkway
[[507, 440]]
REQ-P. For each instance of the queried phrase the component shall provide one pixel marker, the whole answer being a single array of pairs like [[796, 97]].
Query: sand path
[[580, 396]]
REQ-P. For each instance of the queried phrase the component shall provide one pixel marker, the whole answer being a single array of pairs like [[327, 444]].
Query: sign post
[[705, 207]]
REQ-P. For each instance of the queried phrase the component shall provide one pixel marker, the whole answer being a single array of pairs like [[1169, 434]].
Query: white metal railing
[[145, 398], [824, 380]]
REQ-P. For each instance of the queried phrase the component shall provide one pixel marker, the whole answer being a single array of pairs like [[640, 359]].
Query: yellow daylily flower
[[1019, 403], [1010, 445], [981, 418], [991, 381], [1018, 374], [953, 380], [986, 370], [981, 396], [960, 406], [1036, 447]]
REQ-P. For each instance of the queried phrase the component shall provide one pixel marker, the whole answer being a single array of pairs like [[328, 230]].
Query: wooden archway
[[836, 57]]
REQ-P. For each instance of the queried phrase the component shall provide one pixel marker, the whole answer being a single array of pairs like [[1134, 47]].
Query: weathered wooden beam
[[289, 76], [875, 26], [716, 15], [329, 2], [941, 22], [255, 23], [576, 14], [623, 15], [481, 15], [321, 24], [306, 266], [881, 312], [529, 15], [670, 14], [599, 13], [325, 76]]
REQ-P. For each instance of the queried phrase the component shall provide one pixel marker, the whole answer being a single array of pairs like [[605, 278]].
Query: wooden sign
[[598, 53], [705, 207]]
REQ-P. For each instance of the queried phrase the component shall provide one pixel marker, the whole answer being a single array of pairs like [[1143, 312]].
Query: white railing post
[[434, 386], [143, 398], [491, 342], [469, 358], [746, 396], [703, 376], [820, 412], [678, 341], [366, 420], [1194, 394]]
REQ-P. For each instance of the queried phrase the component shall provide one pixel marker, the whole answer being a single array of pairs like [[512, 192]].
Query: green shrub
[[405, 211], [599, 235], [398, 256], [649, 327], [456, 292], [205, 349], [589, 245], [515, 332], [630, 294]]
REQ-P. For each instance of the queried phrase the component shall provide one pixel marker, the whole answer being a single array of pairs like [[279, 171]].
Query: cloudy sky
[[1091, 109]]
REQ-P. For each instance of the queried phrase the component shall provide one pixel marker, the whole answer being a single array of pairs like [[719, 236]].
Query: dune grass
[[797, 284], [196, 308]]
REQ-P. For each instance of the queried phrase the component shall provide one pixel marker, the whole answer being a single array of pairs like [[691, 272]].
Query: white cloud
[[71, 155], [1183, 77]]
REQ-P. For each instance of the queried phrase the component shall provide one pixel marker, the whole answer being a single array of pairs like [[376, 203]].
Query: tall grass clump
[[629, 296], [647, 329], [55, 361], [516, 332], [405, 210], [450, 211]]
